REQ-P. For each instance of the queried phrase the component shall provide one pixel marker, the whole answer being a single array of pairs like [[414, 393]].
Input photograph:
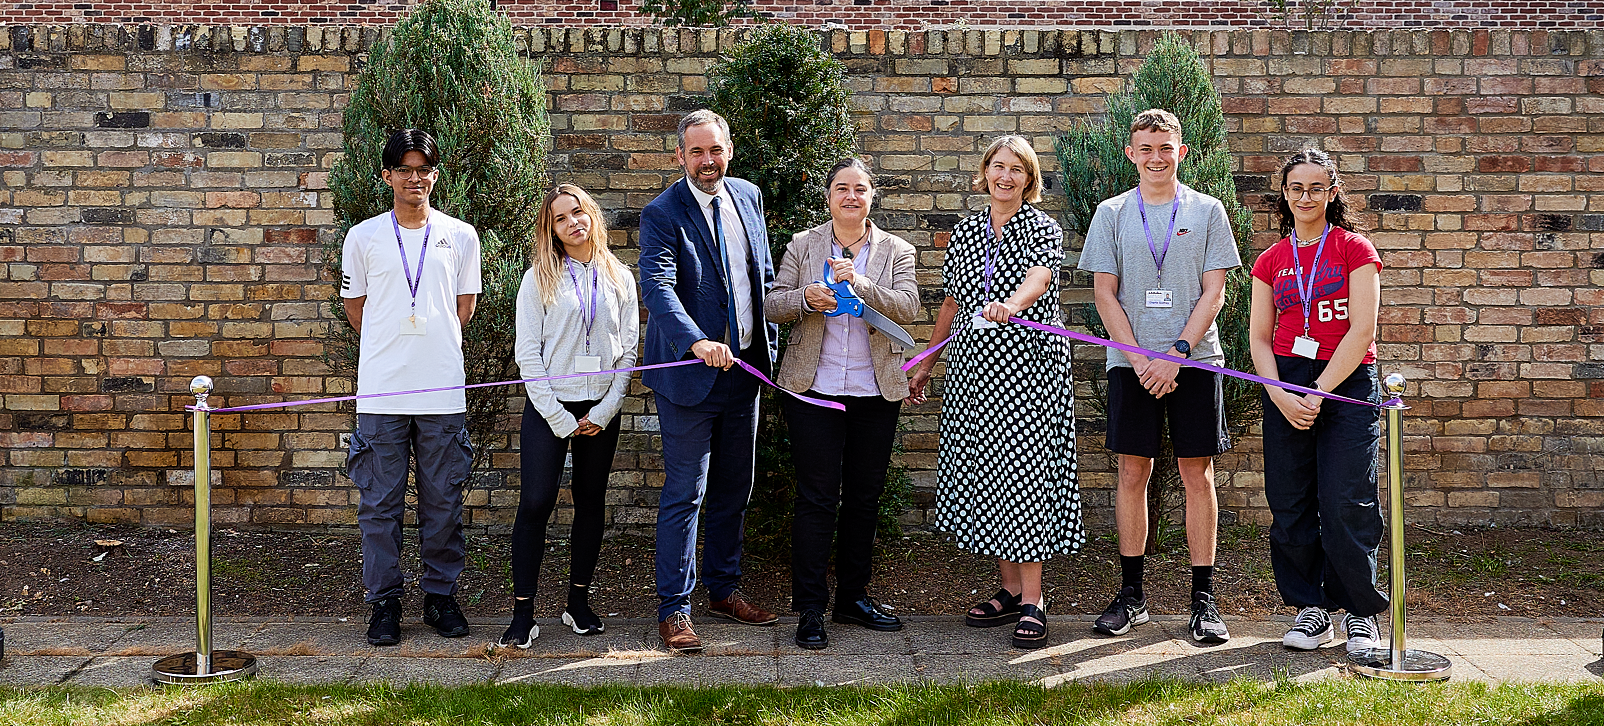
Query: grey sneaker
[[1206, 624], [1362, 632], [1312, 629]]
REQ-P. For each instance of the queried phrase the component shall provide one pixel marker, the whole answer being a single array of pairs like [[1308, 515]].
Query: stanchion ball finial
[[1394, 383], [200, 385]]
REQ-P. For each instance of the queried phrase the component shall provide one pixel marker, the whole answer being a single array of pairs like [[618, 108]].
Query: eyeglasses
[[407, 172], [1314, 193]]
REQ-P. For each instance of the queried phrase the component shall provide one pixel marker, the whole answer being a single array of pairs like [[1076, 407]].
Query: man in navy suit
[[705, 267]]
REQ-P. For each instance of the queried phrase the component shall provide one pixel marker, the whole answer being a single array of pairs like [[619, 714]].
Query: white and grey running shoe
[[1312, 629], [1362, 632]]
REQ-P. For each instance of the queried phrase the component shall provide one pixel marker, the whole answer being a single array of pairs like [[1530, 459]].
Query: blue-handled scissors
[[847, 302]]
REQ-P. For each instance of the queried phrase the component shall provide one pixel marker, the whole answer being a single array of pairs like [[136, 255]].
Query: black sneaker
[[1207, 626], [1123, 614], [384, 626], [1311, 630], [441, 613]]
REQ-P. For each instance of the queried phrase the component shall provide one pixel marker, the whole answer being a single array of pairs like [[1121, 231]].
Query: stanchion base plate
[[227, 665], [1418, 665]]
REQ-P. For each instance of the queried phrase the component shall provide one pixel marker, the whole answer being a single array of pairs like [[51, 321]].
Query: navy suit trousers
[[708, 458]]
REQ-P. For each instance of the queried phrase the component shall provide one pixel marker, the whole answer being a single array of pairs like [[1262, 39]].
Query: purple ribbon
[[1055, 330], [743, 364]]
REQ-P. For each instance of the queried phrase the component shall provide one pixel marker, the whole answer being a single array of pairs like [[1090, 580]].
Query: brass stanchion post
[[1397, 663], [204, 665]]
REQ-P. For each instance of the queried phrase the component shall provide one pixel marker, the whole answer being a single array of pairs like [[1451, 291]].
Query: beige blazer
[[885, 282]]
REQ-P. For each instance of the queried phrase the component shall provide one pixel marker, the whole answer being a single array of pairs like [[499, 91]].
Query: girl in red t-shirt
[[1313, 324]]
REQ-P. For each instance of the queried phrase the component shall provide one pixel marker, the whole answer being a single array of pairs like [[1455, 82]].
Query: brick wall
[[854, 14], [164, 197]]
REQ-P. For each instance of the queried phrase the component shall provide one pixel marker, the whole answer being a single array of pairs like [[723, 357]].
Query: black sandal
[[1030, 635], [993, 616]]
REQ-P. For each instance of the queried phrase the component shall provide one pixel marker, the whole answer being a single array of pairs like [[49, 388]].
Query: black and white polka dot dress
[[1006, 469]]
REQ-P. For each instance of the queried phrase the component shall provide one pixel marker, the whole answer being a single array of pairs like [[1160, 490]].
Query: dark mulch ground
[[50, 569]]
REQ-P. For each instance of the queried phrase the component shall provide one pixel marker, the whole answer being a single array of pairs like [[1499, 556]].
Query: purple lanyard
[[412, 285], [991, 237], [1159, 254], [1306, 292], [590, 315]]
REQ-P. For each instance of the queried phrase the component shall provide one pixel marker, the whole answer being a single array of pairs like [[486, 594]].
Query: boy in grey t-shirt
[[1159, 254]]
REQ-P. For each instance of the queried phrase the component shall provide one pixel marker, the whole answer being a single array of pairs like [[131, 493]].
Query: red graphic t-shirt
[[1328, 309]]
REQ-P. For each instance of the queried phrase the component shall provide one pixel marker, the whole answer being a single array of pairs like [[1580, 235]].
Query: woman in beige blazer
[[841, 456]]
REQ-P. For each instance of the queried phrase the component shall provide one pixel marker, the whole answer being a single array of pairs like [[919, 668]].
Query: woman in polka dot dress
[[1006, 470]]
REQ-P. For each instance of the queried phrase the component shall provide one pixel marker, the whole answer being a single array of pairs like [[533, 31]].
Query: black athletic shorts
[[1196, 412]]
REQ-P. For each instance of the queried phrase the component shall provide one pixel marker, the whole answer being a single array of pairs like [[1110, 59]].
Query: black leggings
[[541, 466]]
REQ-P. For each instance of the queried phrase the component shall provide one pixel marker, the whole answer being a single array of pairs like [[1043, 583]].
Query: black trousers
[[1321, 487], [841, 460], [541, 458]]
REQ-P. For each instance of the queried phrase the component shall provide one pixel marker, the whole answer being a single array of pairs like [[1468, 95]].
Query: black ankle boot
[[523, 630], [578, 614]]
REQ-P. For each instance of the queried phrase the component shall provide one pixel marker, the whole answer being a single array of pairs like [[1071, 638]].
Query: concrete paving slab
[[419, 640], [39, 638], [309, 639], [848, 640], [704, 669], [1465, 669], [308, 669], [168, 637], [723, 638], [115, 672], [1523, 668], [38, 670], [1584, 634], [952, 638], [443, 671], [1500, 638], [313, 650], [1015, 665], [573, 671], [557, 639], [838, 670]]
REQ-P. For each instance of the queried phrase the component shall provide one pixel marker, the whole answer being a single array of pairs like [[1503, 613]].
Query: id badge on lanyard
[[1159, 297], [586, 363], [1305, 345], [413, 323], [978, 321]]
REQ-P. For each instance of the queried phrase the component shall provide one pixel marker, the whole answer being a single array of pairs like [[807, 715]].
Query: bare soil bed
[[53, 569]]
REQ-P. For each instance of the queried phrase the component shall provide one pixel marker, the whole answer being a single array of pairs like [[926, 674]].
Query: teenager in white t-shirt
[[410, 281]]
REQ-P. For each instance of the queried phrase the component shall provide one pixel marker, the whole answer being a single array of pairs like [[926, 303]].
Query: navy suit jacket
[[685, 293]]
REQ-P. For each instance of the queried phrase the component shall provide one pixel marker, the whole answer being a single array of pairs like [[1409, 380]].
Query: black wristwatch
[[1183, 347]]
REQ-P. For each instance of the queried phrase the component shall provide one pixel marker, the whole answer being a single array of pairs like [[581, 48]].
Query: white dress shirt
[[736, 247]]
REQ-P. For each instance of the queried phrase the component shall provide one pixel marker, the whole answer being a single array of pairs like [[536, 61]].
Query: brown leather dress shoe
[[736, 607], [677, 634]]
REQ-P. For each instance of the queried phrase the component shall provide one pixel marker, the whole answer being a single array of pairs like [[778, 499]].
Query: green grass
[[1145, 702]]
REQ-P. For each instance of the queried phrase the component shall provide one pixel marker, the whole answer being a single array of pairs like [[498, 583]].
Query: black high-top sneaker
[[384, 626]]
